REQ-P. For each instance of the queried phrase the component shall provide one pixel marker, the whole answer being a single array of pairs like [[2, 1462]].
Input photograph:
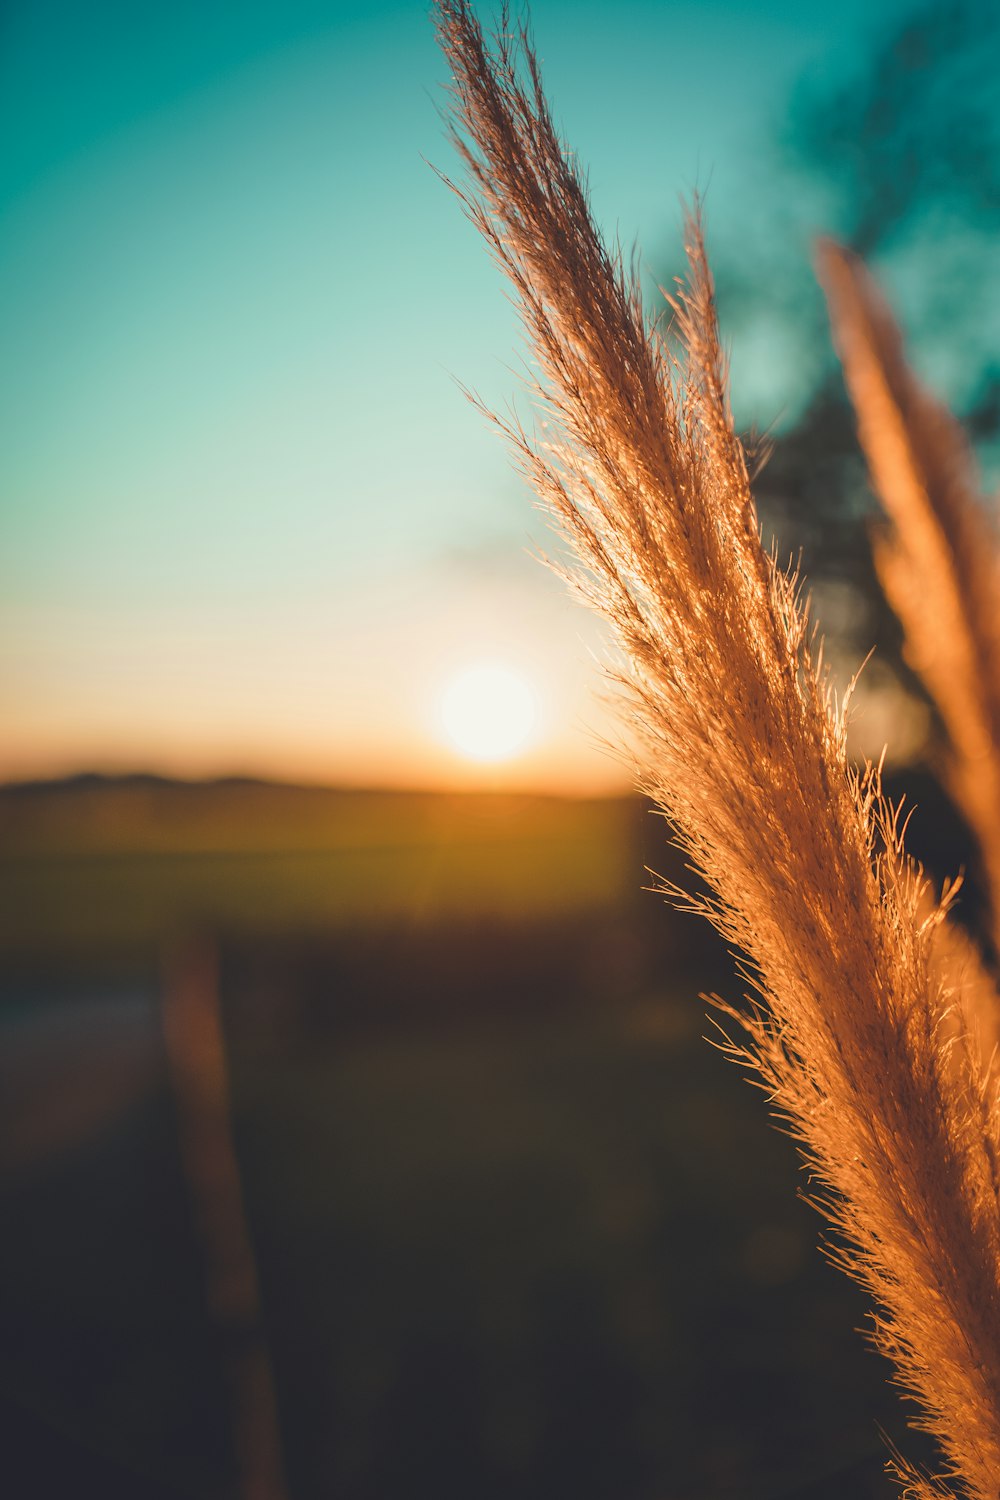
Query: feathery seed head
[[854, 1033]]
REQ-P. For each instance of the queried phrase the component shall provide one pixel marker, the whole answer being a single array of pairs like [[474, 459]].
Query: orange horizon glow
[[462, 777], [570, 755], [568, 764], [350, 697]]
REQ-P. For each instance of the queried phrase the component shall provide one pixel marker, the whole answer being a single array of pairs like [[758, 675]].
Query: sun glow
[[489, 712]]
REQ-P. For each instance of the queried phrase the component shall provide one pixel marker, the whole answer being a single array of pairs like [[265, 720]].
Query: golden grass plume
[[937, 557], [744, 748]]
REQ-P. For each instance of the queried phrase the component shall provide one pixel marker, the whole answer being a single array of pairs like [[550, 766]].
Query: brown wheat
[[742, 746]]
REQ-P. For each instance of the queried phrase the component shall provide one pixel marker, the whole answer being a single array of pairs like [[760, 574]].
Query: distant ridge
[[154, 781]]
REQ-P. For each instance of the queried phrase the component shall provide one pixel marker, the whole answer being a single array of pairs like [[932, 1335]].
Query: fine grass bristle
[[855, 1029]]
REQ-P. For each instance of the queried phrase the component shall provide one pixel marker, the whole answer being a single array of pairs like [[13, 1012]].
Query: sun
[[489, 712]]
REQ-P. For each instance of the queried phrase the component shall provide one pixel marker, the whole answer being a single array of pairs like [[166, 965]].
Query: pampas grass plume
[[937, 557], [853, 1028]]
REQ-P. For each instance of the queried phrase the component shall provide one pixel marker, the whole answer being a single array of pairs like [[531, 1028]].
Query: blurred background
[[359, 1135]]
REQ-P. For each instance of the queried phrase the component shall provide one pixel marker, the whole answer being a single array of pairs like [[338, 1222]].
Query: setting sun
[[489, 712]]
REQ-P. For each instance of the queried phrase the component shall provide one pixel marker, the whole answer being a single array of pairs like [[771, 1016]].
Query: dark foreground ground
[[520, 1232]]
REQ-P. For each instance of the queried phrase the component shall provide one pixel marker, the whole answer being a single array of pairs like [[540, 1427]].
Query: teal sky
[[247, 520]]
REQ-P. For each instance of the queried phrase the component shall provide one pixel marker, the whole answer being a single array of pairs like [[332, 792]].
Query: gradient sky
[[247, 520]]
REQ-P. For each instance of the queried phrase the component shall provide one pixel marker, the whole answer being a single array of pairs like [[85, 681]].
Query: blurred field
[[91, 867], [520, 1232]]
